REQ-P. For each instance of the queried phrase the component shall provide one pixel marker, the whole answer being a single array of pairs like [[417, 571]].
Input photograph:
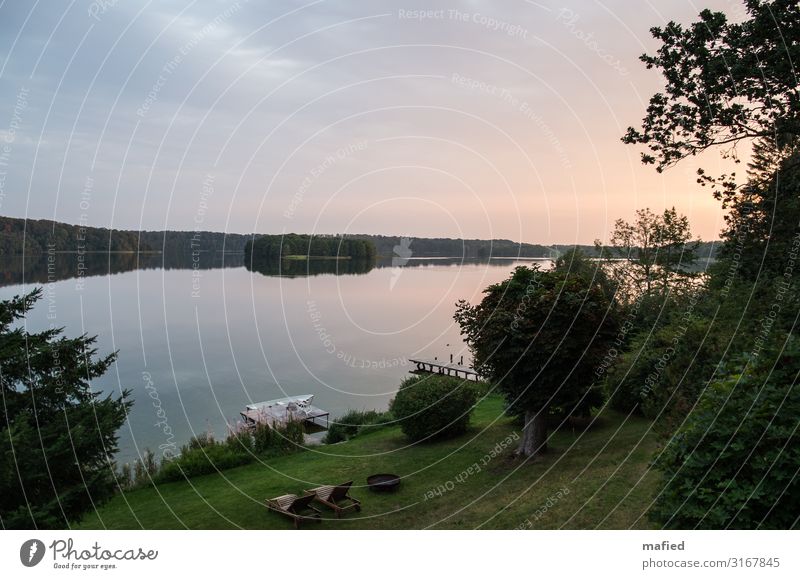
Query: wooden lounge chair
[[298, 508], [336, 497]]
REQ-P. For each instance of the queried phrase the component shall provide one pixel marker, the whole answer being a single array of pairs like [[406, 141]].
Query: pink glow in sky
[[468, 119]]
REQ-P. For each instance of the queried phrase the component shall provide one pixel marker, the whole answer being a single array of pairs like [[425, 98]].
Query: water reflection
[[52, 267], [196, 346], [49, 268], [309, 267]]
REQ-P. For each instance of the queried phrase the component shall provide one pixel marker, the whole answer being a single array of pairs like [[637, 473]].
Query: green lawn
[[602, 475]]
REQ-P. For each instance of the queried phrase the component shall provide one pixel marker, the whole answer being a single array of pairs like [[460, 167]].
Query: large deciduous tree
[[539, 336], [57, 436], [724, 82]]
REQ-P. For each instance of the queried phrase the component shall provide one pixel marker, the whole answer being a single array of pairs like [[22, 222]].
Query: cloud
[[261, 91]]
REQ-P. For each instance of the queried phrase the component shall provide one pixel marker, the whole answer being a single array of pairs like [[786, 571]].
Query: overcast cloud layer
[[473, 118]]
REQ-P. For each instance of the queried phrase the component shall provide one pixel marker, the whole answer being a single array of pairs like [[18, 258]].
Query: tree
[[734, 462], [574, 261], [657, 250], [539, 336], [728, 83], [725, 82], [57, 436], [764, 213]]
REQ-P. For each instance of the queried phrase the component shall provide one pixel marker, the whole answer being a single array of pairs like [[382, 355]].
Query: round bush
[[432, 407]]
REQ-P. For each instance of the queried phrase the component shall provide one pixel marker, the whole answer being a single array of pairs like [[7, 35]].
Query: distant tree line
[[35, 236], [275, 247], [703, 250], [39, 235], [393, 245]]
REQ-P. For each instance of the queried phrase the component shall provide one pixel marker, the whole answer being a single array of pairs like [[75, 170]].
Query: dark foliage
[[57, 437], [539, 336], [734, 463], [355, 422], [391, 246], [271, 248], [431, 407], [204, 455], [309, 267], [762, 222], [724, 82]]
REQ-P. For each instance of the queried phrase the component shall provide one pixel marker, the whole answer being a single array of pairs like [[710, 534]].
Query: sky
[[469, 118]]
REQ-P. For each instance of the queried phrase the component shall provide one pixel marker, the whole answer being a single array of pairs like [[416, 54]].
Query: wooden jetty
[[282, 410], [436, 367]]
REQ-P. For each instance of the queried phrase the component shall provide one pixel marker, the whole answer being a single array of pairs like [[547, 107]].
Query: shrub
[[355, 422], [262, 438], [203, 460], [204, 455], [665, 368], [290, 437], [433, 406], [733, 464], [664, 371], [201, 440], [125, 476], [240, 441]]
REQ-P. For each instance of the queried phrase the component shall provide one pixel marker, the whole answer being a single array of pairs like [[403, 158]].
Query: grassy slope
[[598, 467]]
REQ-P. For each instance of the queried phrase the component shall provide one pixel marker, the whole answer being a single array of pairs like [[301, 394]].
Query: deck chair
[[297, 508], [336, 497]]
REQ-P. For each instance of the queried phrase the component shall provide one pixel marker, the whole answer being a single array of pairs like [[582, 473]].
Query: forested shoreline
[[38, 236]]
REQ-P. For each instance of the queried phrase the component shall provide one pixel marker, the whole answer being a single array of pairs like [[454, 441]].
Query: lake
[[198, 340]]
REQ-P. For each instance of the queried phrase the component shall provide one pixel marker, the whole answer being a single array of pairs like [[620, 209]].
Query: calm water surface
[[196, 345]]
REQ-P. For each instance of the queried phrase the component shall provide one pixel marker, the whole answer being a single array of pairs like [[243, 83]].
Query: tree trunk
[[534, 434]]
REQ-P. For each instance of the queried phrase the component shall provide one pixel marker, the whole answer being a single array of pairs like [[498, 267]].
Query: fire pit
[[383, 483]]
